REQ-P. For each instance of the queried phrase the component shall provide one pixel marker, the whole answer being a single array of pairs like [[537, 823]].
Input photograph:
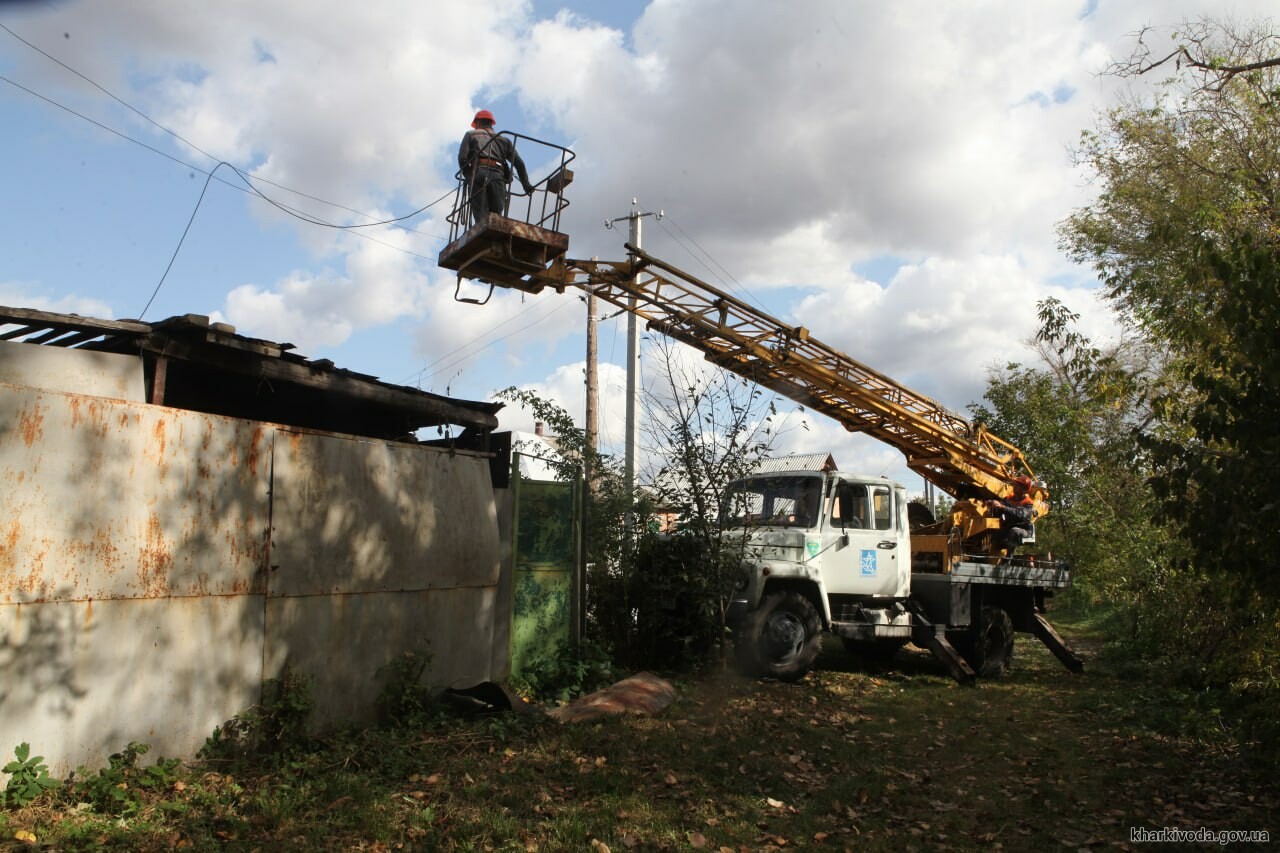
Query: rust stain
[[252, 460], [9, 552], [31, 424], [155, 560], [158, 434], [88, 612]]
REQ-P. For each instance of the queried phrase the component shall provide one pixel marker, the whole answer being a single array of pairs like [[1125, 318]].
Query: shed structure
[[188, 511]]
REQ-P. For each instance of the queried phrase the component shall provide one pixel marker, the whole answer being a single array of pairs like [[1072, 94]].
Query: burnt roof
[[191, 363]]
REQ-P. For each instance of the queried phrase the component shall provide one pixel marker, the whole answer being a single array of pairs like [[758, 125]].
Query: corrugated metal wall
[[157, 564]]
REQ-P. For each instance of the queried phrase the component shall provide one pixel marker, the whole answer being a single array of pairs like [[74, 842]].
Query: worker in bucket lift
[[1016, 514], [485, 159]]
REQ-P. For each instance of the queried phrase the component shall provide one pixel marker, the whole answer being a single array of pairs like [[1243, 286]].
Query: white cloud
[[25, 295], [788, 147], [938, 326]]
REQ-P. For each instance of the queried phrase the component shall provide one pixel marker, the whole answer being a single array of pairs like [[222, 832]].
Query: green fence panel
[[545, 536]]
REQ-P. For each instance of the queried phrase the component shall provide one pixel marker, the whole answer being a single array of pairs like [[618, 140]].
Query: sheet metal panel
[[343, 640], [108, 499], [545, 558], [73, 371], [353, 515], [80, 680]]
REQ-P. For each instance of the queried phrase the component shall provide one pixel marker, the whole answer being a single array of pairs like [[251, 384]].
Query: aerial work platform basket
[[508, 248]]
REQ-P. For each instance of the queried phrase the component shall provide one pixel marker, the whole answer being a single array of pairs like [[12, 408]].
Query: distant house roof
[[798, 462], [191, 363]]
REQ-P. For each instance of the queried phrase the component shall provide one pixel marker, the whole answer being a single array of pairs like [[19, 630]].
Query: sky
[[889, 175]]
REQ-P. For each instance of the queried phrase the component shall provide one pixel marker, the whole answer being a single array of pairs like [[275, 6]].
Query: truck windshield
[[787, 501]]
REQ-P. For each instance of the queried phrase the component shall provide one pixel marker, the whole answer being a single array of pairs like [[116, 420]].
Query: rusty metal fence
[[158, 564]]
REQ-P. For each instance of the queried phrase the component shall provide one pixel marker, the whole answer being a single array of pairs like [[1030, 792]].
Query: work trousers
[[488, 194]]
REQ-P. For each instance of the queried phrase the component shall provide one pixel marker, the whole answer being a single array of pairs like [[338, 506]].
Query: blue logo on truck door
[[868, 563]]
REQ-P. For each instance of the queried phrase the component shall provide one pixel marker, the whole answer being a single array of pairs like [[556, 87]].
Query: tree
[[1183, 174], [662, 603], [1185, 236], [706, 428], [1185, 233], [1196, 47], [1074, 414], [1217, 474]]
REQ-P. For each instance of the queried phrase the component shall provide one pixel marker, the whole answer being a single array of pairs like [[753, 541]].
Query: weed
[[404, 697], [28, 778], [570, 673], [118, 788], [276, 727]]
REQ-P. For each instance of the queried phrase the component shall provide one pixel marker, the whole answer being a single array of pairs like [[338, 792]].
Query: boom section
[[959, 457]]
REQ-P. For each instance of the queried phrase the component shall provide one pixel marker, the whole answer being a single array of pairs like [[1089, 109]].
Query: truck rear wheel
[[780, 638], [988, 644]]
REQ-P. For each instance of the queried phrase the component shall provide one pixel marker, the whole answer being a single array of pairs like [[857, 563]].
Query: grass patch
[[896, 757]]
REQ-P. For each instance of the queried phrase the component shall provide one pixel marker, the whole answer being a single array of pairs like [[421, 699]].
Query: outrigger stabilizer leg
[[1045, 633]]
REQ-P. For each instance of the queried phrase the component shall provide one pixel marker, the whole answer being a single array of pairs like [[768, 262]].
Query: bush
[[666, 610], [276, 726]]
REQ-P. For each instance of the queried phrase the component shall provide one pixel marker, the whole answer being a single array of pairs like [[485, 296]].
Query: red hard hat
[[1023, 481], [483, 115]]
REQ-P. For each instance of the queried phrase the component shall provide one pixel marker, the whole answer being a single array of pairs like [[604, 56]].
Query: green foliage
[[659, 603], [607, 502], [1075, 416], [573, 671], [1216, 473], [1189, 167], [276, 726], [404, 696], [687, 580], [120, 787], [1185, 235], [28, 778]]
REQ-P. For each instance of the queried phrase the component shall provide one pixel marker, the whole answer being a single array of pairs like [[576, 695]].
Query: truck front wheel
[[780, 638], [988, 645]]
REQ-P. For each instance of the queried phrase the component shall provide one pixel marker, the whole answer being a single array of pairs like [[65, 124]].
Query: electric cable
[[192, 145], [249, 189], [208, 179], [750, 296], [182, 239], [445, 365]]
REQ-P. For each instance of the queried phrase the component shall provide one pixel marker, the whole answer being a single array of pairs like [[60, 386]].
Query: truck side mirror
[[844, 540]]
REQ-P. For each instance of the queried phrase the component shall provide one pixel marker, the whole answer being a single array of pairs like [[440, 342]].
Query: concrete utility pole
[[633, 372], [593, 384]]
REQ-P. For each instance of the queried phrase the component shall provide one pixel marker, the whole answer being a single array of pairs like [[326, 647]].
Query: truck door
[[870, 564]]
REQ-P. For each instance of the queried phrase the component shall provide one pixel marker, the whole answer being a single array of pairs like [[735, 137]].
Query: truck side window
[[882, 501], [849, 509]]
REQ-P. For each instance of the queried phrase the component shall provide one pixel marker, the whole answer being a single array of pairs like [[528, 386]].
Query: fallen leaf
[[697, 839], [25, 836]]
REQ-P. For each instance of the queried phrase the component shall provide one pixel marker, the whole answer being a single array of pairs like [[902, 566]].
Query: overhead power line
[[189, 143]]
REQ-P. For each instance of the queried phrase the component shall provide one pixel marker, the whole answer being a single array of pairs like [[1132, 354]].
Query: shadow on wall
[[152, 559]]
